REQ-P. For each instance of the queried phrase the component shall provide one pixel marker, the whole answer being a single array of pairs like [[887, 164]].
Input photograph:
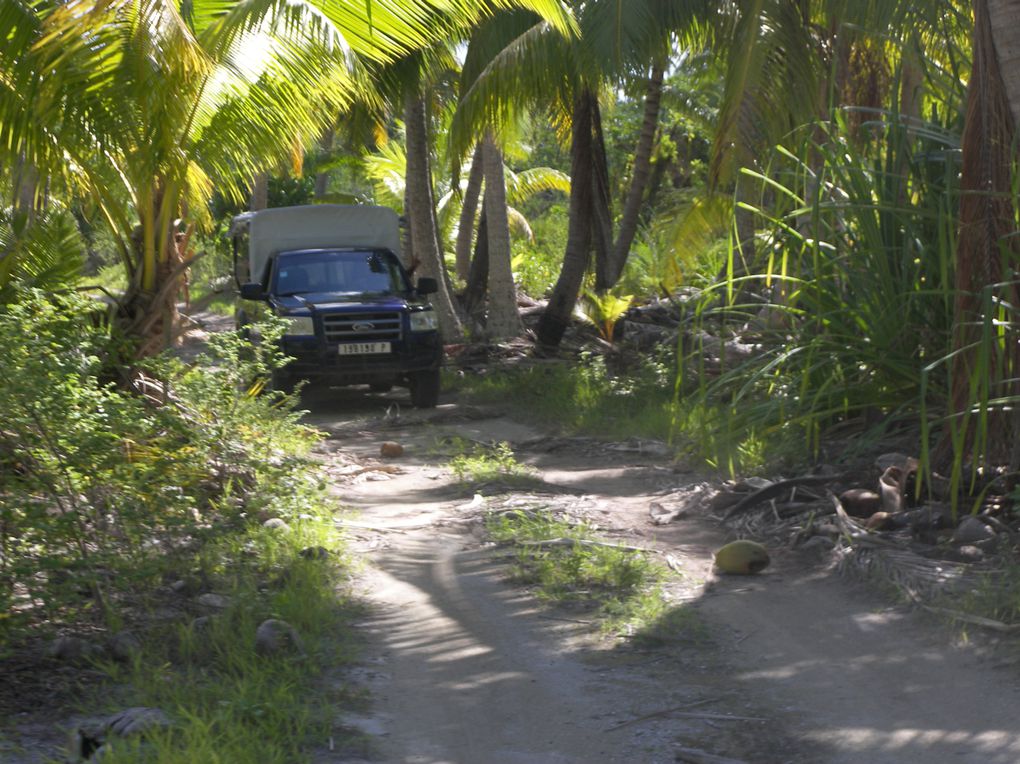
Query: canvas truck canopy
[[316, 226]]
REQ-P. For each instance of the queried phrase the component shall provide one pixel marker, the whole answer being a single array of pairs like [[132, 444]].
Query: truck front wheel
[[425, 389], [282, 382]]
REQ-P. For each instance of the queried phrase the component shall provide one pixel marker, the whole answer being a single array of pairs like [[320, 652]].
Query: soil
[[464, 666]]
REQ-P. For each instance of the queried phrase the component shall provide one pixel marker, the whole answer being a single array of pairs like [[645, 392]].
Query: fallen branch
[[563, 541], [389, 469], [380, 528], [660, 714], [565, 620], [694, 756], [776, 490], [719, 717], [977, 620]]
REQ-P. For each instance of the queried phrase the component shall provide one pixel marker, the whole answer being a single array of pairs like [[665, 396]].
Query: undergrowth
[[587, 397], [128, 491], [228, 703], [639, 400], [994, 595]]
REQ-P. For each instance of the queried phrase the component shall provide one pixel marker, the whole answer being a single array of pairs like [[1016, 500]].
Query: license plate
[[363, 348]]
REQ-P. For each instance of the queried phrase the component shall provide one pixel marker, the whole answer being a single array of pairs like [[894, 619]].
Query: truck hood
[[340, 301]]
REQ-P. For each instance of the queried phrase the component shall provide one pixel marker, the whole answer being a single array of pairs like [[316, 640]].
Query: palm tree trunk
[[1005, 24], [556, 317], [640, 175], [421, 214], [260, 192], [987, 240], [26, 181], [322, 178], [468, 211], [601, 200], [478, 275], [151, 315], [503, 318]]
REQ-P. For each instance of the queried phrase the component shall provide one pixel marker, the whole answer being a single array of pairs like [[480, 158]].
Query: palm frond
[[522, 185], [45, 253]]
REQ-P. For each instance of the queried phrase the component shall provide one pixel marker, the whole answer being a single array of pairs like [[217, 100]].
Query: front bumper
[[319, 361]]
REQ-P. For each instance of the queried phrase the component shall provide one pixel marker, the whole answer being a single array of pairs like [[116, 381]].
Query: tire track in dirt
[[471, 670]]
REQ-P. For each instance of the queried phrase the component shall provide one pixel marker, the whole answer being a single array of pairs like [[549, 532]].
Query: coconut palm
[[518, 64], [419, 197], [986, 360], [410, 79], [468, 213], [502, 317], [386, 168], [131, 99]]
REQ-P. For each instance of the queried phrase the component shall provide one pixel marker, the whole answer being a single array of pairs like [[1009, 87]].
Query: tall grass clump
[[850, 294]]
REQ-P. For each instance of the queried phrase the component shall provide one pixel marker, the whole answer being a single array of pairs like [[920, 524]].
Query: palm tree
[[420, 203], [411, 78], [158, 109], [468, 213], [610, 268], [519, 64], [985, 367], [502, 319], [131, 99]]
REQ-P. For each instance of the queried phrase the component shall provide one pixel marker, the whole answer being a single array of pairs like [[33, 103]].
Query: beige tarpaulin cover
[[317, 226]]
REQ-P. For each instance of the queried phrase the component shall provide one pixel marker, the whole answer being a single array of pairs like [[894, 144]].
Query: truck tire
[[425, 389], [282, 382]]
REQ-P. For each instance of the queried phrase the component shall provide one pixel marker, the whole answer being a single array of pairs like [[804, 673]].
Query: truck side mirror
[[427, 285], [252, 291]]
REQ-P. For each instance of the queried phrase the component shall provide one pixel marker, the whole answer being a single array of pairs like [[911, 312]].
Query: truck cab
[[354, 316]]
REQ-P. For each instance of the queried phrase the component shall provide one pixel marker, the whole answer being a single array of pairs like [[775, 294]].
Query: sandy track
[[468, 669]]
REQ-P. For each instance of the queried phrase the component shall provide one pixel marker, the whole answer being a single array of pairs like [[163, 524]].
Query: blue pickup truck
[[333, 272]]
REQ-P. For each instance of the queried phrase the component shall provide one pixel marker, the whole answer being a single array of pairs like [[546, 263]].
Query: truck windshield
[[358, 272]]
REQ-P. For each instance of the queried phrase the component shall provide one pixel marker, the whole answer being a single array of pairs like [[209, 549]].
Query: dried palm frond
[[916, 577]]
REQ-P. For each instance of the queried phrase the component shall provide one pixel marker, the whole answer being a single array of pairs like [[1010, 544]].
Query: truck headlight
[[299, 325], [424, 321]]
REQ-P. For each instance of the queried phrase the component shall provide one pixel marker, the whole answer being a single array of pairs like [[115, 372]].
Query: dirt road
[[795, 665]]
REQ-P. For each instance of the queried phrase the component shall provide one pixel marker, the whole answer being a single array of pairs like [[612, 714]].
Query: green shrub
[[110, 477]]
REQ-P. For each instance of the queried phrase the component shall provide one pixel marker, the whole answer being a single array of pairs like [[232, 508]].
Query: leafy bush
[[537, 262], [103, 487]]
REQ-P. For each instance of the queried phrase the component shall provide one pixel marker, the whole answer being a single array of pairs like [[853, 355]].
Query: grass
[[227, 703], [995, 595], [641, 402], [475, 465], [586, 397], [621, 587]]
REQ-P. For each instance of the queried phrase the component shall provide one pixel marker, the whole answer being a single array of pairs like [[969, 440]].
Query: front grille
[[361, 327]]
